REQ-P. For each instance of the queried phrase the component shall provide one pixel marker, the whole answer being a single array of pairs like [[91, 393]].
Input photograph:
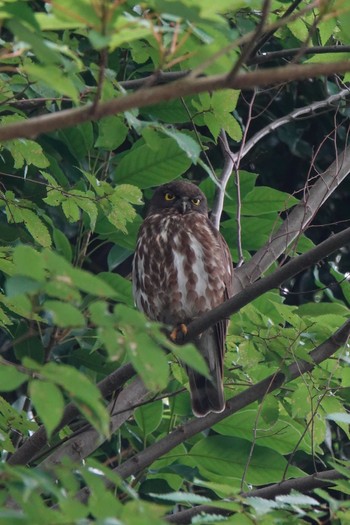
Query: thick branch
[[35, 443], [33, 127], [229, 307], [306, 484], [270, 282], [297, 221], [87, 441], [256, 392]]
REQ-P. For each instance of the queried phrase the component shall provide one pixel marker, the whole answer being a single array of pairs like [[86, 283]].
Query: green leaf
[[189, 355], [145, 167], [71, 209], [118, 208], [128, 193], [148, 360], [122, 287], [36, 228], [149, 416], [232, 127], [244, 424], [85, 201], [53, 77], [19, 285], [87, 282], [48, 402], [10, 378], [24, 151], [29, 262], [263, 200], [112, 132], [64, 314], [185, 142], [62, 244], [39, 46], [11, 419], [228, 457], [82, 392], [79, 140]]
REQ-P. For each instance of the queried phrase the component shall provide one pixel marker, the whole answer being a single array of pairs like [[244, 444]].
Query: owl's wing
[[207, 394]]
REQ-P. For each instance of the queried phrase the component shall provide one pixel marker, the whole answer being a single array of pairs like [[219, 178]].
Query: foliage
[[71, 205]]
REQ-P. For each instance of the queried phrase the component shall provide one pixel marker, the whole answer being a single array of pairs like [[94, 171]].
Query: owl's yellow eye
[[196, 202], [169, 197]]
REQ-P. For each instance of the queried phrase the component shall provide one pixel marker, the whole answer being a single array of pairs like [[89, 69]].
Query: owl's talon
[[178, 333]]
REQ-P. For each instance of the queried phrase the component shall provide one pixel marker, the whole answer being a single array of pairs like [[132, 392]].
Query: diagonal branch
[[224, 310], [87, 441], [274, 280], [33, 127], [297, 221], [309, 110], [256, 392], [290, 53], [248, 49], [37, 441], [305, 484], [146, 457], [231, 159]]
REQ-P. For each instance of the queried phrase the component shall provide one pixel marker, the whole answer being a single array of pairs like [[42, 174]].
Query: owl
[[182, 268]]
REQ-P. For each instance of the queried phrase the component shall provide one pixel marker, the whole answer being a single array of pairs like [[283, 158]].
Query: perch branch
[[146, 457], [210, 318]]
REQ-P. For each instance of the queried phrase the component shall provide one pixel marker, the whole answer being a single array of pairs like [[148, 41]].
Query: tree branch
[[274, 280], [35, 443], [296, 223], [33, 127], [146, 457], [256, 392], [290, 53], [224, 178], [270, 33], [329, 103], [210, 318], [305, 484], [87, 441]]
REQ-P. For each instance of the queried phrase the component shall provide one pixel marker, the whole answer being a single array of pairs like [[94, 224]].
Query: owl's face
[[179, 196]]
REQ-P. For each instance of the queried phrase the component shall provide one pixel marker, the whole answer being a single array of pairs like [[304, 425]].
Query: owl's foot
[[178, 334]]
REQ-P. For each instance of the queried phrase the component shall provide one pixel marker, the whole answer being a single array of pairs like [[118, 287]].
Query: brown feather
[[182, 268]]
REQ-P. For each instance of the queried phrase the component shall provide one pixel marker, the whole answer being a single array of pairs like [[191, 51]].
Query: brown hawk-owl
[[182, 268]]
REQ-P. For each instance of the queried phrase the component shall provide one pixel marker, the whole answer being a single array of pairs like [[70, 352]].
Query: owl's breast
[[177, 272]]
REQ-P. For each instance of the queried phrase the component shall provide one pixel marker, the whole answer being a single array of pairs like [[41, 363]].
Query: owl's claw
[[178, 333]]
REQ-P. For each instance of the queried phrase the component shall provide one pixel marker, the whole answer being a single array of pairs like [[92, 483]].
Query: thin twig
[[290, 53], [270, 33], [223, 180], [248, 49]]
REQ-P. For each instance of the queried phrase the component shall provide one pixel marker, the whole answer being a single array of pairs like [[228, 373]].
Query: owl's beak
[[184, 205]]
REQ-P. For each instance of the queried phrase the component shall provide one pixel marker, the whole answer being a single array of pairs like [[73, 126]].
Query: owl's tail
[[207, 395]]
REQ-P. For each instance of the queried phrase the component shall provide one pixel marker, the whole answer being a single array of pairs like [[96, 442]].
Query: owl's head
[[180, 196]]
